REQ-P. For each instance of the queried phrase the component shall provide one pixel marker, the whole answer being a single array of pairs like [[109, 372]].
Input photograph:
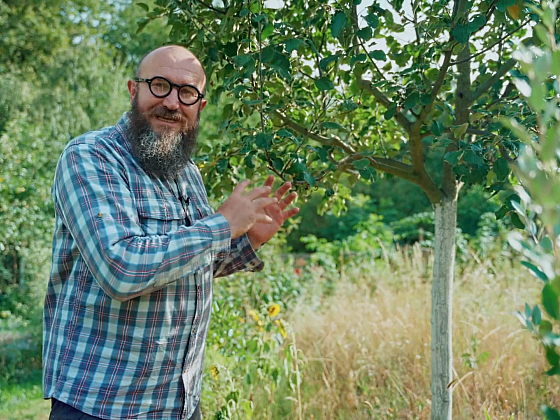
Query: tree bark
[[442, 299]]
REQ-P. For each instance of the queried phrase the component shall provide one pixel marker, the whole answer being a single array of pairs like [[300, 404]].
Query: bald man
[[135, 250]]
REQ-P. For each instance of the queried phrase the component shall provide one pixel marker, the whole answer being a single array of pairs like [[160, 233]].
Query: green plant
[[538, 209]]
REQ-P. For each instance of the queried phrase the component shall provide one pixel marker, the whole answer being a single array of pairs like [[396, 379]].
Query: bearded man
[[135, 250]]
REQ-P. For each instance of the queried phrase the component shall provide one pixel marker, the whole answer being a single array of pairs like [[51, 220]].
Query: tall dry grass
[[368, 347]]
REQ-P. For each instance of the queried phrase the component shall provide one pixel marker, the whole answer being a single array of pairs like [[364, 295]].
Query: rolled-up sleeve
[[241, 257], [93, 199]]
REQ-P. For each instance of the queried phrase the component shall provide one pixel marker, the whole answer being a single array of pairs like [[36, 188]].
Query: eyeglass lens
[[161, 87]]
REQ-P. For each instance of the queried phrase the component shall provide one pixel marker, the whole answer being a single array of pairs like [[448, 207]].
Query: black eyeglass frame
[[171, 86]]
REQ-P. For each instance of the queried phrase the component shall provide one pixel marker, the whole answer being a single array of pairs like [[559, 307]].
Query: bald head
[[176, 60]]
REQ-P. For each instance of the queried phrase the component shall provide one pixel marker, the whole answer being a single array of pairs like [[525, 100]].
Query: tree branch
[[223, 12], [483, 87], [386, 102], [329, 141], [390, 166], [493, 45], [435, 90]]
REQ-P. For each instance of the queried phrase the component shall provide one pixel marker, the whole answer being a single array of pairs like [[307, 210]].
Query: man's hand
[[242, 211], [260, 232]]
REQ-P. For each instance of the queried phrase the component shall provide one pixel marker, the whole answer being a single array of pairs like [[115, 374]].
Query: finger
[[240, 188], [290, 213], [263, 218], [287, 200], [258, 193], [279, 193], [260, 203], [269, 181]]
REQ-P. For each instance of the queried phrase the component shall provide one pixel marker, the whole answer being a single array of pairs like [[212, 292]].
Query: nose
[[171, 101]]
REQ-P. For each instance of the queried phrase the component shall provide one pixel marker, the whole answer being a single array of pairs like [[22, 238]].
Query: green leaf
[[350, 106], [536, 315], [378, 55], [278, 164], [412, 100], [365, 33], [390, 113], [361, 163], [264, 141], [436, 128], [516, 221], [453, 157], [502, 5], [366, 174], [267, 31], [324, 83], [284, 133], [372, 20], [324, 63], [502, 211], [143, 6], [142, 24], [460, 130], [472, 157], [249, 161], [333, 126], [535, 270], [550, 300], [501, 168], [550, 413], [244, 12], [242, 60], [337, 23], [309, 179], [214, 54], [552, 357], [357, 58], [294, 44], [545, 328], [461, 34], [221, 165], [425, 99], [475, 24]]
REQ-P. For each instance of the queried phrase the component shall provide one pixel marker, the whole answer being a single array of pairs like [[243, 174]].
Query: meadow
[[317, 339]]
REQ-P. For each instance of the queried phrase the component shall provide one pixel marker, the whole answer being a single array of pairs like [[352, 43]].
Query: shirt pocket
[[203, 210], [159, 217]]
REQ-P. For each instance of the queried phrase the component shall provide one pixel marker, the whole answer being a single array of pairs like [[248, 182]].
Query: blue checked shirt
[[130, 293]]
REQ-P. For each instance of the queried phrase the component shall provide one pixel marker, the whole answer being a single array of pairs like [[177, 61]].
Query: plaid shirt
[[130, 293]]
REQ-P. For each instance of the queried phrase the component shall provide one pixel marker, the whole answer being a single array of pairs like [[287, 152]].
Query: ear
[[132, 85], [203, 103]]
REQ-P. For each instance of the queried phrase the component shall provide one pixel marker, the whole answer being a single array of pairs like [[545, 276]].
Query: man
[[135, 250]]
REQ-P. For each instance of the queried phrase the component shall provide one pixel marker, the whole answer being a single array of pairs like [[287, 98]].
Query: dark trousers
[[61, 411]]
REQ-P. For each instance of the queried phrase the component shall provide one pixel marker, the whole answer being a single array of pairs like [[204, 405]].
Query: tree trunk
[[442, 299]]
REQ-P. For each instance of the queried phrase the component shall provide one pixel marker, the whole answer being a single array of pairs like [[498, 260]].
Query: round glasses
[[161, 87]]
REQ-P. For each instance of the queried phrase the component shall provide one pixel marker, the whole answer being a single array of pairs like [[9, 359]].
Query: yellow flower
[[215, 372], [254, 314], [281, 328], [274, 310]]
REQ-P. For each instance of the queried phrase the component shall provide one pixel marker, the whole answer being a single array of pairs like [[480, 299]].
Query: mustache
[[163, 112]]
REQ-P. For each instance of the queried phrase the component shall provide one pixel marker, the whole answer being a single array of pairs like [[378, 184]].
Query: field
[[363, 350]]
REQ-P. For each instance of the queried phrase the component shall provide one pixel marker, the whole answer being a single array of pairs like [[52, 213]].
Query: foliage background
[[63, 72]]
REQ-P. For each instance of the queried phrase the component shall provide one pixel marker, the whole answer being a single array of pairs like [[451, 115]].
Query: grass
[[24, 400], [366, 349]]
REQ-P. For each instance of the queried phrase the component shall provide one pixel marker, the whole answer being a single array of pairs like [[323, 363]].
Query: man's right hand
[[242, 210]]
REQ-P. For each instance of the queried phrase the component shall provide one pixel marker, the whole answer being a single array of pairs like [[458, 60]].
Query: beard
[[164, 154]]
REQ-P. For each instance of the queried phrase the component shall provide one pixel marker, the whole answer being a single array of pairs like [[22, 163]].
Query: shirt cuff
[[221, 233], [253, 262]]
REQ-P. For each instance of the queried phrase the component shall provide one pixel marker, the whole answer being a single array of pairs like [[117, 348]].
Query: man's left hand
[[262, 232]]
